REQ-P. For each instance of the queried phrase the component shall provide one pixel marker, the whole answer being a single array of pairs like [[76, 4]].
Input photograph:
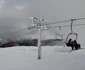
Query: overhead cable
[[64, 21]]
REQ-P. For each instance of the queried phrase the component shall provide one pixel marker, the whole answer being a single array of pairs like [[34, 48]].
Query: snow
[[53, 58]]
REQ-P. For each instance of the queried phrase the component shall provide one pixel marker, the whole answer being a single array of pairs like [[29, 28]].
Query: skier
[[70, 40], [70, 43], [77, 46]]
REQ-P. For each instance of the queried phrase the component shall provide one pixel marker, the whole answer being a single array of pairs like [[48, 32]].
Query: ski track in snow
[[53, 58]]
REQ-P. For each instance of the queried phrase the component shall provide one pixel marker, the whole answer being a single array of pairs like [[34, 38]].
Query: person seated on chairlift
[[70, 40], [70, 43], [76, 45]]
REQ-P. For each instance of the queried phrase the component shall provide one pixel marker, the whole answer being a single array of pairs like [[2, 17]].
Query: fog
[[14, 16]]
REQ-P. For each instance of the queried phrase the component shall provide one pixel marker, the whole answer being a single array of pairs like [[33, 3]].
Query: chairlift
[[58, 36], [76, 46], [72, 33]]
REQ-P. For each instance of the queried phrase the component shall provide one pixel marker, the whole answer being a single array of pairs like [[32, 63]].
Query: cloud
[[11, 20], [20, 7], [2, 3]]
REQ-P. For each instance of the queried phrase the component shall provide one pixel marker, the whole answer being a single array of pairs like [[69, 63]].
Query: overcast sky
[[14, 14]]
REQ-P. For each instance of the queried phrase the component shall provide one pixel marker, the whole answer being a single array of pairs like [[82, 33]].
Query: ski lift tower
[[39, 23]]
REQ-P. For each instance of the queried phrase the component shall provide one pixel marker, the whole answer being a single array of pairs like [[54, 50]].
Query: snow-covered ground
[[53, 58]]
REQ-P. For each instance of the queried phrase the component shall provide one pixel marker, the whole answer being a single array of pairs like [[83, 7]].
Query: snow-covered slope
[[53, 58]]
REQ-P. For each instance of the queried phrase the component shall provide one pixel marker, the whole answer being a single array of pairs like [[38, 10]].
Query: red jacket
[[70, 41]]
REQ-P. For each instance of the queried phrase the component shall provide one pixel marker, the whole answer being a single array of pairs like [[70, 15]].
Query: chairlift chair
[[72, 33], [58, 36]]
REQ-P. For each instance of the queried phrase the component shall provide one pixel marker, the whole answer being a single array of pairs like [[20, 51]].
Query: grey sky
[[14, 14]]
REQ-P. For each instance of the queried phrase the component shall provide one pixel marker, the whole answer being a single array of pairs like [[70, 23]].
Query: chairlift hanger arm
[[72, 25], [60, 28]]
